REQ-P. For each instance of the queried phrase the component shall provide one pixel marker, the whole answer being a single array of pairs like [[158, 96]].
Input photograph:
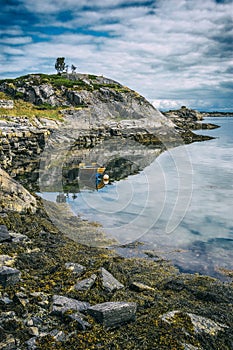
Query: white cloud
[[175, 53], [165, 105]]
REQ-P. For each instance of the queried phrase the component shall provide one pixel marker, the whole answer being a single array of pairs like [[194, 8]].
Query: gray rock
[[9, 276], [5, 301], [200, 324], [77, 269], [206, 325], [190, 347], [31, 343], [18, 237], [112, 314], [85, 284], [6, 260], [62, 304], [58, 335], [4, 234], [110, 283]]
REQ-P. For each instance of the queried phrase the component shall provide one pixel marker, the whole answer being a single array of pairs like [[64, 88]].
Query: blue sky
[[174, 52]]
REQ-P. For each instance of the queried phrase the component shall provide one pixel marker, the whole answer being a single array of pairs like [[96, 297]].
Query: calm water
[[180, 205]]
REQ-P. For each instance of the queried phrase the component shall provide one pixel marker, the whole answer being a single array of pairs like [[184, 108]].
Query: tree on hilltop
[[73, 68], [60, 65]]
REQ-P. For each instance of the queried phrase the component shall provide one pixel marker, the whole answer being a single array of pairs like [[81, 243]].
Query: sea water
[[179, 206]]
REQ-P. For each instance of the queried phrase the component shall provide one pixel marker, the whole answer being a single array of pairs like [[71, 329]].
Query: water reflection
[[83, 177]]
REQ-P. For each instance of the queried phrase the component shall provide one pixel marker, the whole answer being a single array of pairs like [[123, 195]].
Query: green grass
[[28, 110]]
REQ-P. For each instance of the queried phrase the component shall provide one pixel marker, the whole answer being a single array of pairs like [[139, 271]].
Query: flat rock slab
[[9, 276], [4, 234], [109, 282], [112, 314], [62, 304], [76, 268], [86, 283]]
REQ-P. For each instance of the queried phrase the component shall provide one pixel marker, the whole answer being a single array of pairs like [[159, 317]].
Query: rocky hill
[[80, 109]]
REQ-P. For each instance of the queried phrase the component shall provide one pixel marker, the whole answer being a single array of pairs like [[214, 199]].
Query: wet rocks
[[86, 283], [9, 276], [61, 304], [109, 282], [112, 314], [199, 323], [76, 269], [4, 234]]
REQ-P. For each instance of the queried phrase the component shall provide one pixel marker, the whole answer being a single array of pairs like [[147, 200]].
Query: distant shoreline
[[217, 114]]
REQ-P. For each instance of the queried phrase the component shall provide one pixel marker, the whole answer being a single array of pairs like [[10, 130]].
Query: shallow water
[[179, 205]]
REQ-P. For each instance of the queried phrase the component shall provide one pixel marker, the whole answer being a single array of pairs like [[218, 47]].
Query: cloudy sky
[[174, 52]]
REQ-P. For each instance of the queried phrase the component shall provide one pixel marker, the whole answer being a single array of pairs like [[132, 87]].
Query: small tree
[[73, 68], [60, 65]]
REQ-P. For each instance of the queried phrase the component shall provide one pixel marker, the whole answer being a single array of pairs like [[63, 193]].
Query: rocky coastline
[[57, 291]]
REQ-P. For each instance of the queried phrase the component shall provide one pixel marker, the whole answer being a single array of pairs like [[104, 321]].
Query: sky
[[173, 52]]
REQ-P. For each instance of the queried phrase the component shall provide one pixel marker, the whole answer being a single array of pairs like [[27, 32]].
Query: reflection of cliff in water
[[75, 170]]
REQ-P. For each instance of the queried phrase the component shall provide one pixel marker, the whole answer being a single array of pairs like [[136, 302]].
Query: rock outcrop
[[13, 196], [188, 119]]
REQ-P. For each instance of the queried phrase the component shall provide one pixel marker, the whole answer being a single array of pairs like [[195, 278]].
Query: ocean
[[179, 206]]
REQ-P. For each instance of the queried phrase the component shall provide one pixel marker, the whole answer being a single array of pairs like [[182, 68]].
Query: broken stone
[[31, 343], [110, 283], [62, 304], [141, 287], [18, 237], [33, 331], [9, 276], [77, 269], [4, 234], [112, 314], [85, 284], [58, 335], [5, 301], [21, 298]]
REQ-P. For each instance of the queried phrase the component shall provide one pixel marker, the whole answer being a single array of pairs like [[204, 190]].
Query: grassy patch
[[28, 110]]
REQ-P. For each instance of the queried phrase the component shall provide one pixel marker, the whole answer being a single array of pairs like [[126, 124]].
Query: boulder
[[9, 276], [62, 304], [13, 196], [86, 283], [77, 269], [4, 234], [112, 314], [109, 282]]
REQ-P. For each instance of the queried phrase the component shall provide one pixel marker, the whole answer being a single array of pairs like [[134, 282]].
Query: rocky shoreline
[[57, 291]]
